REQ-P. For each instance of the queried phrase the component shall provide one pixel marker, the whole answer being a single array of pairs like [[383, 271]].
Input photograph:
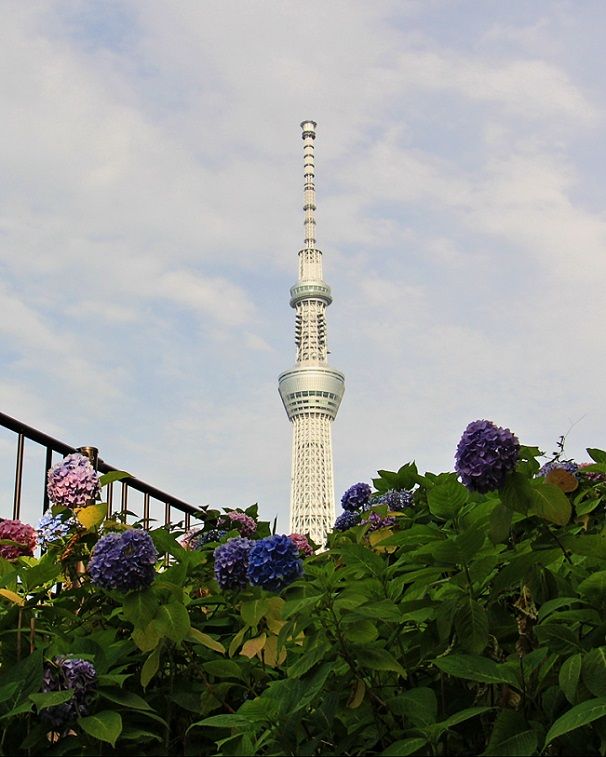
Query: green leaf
[[557, 636], [114, 475], [224, 669], [140, 607], [376, 658], [172, 620], [550, 503], [594, 671], [597, 455], [519, 566], [294, 606], [167, 544], [47, 570], [253, 611], [471, 625], [446, 499], [590, 545], [146, 638], [150, 667], [91, 516], [224, 721], [476, 668], [499, 524], [569, 676], [516, 492], [104, 726], [360, 631], [418, 705], [207, 641], [462, 716], [594, 587], [363, 557], [125, 698], [404, 747], [51, 698], [511, 736], [580, 715]]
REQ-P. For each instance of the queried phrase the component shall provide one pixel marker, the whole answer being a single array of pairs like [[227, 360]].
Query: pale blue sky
[[150, 217]]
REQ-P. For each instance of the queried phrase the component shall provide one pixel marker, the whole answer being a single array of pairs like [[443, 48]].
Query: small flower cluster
[[65, 673], [566, 465], [271, 563], [196, 538], [73, 482], [485, 454], [303, 545], [397, 501], [356, 497], [21, 533], [52, 528], [123, 560], [346, 520], [376, 521], [594, 477], [240, 521]]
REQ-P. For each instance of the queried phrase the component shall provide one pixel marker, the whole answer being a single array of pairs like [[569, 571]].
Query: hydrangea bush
[[458, 613]]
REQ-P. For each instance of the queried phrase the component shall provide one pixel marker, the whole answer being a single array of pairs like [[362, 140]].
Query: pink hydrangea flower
[[242, 522], [22, 533], [73, 482], [304, 547]]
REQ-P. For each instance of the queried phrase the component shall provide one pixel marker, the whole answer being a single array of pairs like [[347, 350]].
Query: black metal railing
[[150, 493]]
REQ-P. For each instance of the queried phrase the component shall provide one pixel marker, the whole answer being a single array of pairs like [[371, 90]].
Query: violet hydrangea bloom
[[485, 454], [22, 533], [568, 466], [231, 563], [274, 562], [240, 521], [52, 528], [375, 521], [356, 497], [303, 545], [123, 560], [197, 539], [346, 520], [397, 501], [73, 482], [69, 673]]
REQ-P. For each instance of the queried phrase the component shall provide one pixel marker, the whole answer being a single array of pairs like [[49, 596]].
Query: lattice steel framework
[[311, 391]]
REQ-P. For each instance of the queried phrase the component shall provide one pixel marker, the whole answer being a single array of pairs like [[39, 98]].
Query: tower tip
[[309, 128]]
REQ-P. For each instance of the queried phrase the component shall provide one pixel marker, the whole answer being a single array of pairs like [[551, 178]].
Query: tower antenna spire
[[311, 391]]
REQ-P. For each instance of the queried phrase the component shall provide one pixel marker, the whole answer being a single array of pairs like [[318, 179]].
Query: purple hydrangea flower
[[52, 528], [346, 521], [376, 521], [303, 545], [73, 482], [397, 501], [197, 539], [274, 562], [22, 533], [356, 497], [594, 477], [231, 563], [123, 560], [246, 525], [69, 673], [485, 454], [568, 466]]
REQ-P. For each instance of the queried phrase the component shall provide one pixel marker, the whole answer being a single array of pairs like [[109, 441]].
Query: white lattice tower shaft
[[311, 391]]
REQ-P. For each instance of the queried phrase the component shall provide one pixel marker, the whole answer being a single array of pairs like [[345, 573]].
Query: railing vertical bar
[[124, 502], [18, 476], [166, 514], [110, 498], [187, 521], [47, 464], [146, 510]]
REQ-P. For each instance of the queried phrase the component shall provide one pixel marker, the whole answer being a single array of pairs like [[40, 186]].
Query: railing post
[[48, 461], [92, 453], [18, 477]]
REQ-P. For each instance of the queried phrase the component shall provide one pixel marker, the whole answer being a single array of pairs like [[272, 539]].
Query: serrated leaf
[[404, 747], [376, 658], [125, 698], [569, 676], [104, 726], [92, 515], [146, 638], [446, 499], [253, 611], [140, 607], [207, 641], [360, 631], [471, 625], [594, 671], [511, 736], [550, 503], [516, 492], [594, 587], [499, 523], [51, 698], [580, 715], [150, 667], [476, 668], [418, 705], [462, 716], [172, 620]]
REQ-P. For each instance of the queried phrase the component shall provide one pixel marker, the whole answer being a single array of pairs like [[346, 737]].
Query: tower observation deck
[[311, 390]]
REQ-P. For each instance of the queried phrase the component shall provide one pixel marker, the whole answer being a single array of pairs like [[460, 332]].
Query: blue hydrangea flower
[[558, 465], [356, 497], [231, 563], [69, 673], [202, 538], [346, 521], [52, 528], [274, 562], [73, 482], [123, 560], [485, 454], [397, 501]]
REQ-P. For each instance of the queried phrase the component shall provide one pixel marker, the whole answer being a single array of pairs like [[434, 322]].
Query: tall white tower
[[311, 391]]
